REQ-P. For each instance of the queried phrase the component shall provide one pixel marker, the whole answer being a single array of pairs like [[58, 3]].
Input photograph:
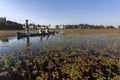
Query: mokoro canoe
[[21, 35]]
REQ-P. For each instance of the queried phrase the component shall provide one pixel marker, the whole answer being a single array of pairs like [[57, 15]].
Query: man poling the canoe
[[40, 33], [26, 27]]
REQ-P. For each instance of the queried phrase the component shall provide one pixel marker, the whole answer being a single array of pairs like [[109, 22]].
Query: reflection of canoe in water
[[22, 35]]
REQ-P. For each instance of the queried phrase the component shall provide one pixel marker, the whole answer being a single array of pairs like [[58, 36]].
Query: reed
[[11, 33], [7, 33], [90, 31]]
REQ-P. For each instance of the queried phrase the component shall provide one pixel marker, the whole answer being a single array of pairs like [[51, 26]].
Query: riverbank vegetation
[[9, 25], [88, 26]]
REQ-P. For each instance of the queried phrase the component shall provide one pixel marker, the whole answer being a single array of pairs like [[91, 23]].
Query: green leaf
[[39, 78]]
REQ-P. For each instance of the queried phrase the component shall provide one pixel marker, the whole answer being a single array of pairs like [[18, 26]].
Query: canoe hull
[[22, 35]]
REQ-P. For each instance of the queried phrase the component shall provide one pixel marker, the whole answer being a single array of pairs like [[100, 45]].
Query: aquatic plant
[[75, 61]]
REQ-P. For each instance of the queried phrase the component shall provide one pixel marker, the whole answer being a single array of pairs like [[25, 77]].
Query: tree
[[57, 26], [119, 26], [110, 27], [9, 25]]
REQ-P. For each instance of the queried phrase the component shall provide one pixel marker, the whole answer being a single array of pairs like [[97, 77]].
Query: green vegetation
[[64, 62], [87, 26], [9, 25], [61, 64]]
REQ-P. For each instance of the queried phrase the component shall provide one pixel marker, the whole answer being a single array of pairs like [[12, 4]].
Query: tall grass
[[89, 31], [10, 33], [7, 33]]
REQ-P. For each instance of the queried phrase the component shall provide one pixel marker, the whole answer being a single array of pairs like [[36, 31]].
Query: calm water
[[13, 45]]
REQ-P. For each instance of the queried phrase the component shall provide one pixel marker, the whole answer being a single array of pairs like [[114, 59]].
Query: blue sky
[[104, 12]]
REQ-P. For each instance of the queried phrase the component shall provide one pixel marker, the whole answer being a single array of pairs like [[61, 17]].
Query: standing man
[[26, 27]]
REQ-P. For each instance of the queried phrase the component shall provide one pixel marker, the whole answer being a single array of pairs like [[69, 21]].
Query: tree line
[[86, 26], [9, 25]]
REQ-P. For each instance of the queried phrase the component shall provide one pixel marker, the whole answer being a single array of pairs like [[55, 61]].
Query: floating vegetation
[[61, 65]]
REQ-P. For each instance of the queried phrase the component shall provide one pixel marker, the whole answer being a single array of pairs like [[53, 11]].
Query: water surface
[[98, 40]]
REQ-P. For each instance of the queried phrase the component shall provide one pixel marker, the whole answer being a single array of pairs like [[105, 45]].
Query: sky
[[97, 12]]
